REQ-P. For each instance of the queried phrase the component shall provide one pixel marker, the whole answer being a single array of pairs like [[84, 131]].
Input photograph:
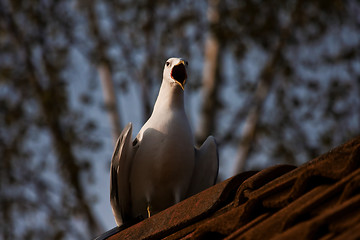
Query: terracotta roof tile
[[320, 199]]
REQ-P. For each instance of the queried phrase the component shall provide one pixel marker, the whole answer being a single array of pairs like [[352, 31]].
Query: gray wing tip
[[217, 159], [217, 155], [121, 137], [211, 143], [127, 128]]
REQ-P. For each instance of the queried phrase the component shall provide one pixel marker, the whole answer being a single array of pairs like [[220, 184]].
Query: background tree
[[35, 106]]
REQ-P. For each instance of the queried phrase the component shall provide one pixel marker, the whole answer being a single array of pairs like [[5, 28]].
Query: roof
[[320, 199]]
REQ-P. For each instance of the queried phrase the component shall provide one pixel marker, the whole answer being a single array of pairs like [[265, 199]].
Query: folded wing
[[120, 197], [206, 167]]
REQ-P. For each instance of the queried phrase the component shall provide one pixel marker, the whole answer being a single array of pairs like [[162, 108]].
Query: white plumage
[[161, 166]]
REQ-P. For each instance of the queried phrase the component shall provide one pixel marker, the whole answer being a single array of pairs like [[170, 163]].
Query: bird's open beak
[[178, 73]]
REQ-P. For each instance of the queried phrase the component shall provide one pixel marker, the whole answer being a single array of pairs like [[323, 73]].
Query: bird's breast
[[166, 150], [163, 164]]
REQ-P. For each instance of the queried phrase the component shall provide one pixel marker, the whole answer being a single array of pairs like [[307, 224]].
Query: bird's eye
[[186, 63], [167, 64]]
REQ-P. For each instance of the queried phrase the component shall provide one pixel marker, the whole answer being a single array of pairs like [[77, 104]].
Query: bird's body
[[161, 166], [168, 158]]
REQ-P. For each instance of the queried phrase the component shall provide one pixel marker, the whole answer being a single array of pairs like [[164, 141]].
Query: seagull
[[161, 166]]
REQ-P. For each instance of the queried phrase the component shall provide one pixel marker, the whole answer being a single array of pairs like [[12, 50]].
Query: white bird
[[161, 166]]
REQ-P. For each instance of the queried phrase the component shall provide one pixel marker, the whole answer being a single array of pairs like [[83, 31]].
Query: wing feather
[[120, 197], [206, 167]]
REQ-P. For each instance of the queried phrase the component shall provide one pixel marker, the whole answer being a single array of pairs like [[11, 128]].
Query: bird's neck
[[170, 97]]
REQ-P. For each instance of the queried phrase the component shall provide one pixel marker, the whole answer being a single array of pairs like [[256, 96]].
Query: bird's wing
[[206, 167], [120, 198]]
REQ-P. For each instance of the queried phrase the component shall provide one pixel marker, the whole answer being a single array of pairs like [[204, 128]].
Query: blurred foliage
[[312, 103]]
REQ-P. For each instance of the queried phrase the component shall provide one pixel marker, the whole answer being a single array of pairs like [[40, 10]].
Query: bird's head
[[175, 71]]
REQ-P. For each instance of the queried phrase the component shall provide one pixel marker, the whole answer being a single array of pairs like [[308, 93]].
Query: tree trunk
[[103, 67], [110, 99], [210, 78]]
